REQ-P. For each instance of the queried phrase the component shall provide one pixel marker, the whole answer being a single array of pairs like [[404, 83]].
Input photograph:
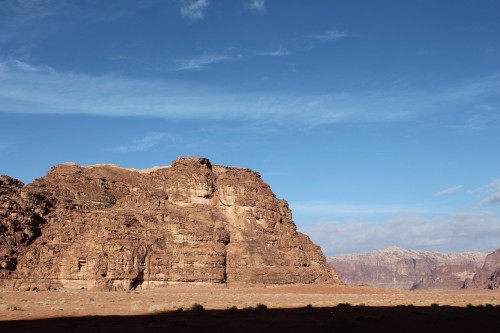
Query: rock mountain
[[111, 228], [396, 268], [488, 276]]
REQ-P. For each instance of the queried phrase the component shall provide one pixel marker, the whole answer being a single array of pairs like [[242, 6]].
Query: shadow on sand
[[342, 319]]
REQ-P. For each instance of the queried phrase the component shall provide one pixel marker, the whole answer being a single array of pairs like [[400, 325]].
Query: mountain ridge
[[397, 268]]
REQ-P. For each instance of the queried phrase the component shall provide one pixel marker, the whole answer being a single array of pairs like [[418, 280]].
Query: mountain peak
[[394, 249]]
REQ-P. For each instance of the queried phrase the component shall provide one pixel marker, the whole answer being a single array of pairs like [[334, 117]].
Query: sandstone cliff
[[111, 228], [489, 275], [397, 268]]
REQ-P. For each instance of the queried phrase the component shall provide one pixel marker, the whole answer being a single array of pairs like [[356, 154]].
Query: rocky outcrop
[[446, 276], [396, 268], [489, 275], [111, 228], [22, 217]]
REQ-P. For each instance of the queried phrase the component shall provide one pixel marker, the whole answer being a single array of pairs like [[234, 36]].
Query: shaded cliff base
[[330, 319]]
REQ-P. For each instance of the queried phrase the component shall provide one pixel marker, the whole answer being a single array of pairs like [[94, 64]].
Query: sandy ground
[[77, 303]]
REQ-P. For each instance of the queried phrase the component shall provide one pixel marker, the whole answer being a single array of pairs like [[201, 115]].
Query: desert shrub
[[309, 307], [260, 306], [232, 308], [135, 306], [343, 306], [360, 307], [196, 308], [434, 305], [9, 307], [470, 308]]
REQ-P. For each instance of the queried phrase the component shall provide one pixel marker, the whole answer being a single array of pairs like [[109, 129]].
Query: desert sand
[[287, 308]]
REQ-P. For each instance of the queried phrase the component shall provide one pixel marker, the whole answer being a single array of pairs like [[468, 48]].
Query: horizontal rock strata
[[111, 228]]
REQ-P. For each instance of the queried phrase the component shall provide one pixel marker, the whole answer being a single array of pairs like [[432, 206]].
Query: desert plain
[[314, 308]]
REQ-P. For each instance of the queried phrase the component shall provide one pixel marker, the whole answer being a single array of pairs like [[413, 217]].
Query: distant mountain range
[[397, 268]]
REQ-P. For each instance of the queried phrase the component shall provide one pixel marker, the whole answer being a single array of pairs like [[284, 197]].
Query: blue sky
[[378, 121]]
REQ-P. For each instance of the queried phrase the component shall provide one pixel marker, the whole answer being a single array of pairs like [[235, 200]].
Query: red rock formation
[[112, 228], [21, 216], [397, 268], [489, 275]]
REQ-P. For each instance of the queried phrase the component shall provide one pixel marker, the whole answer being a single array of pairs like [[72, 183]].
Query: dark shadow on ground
[[340, 319]]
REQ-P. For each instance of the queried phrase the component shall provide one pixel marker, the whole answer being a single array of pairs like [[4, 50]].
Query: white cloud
[[258, 5], [26, 88], [146, 142], [330, 35], [494, 198], [200, 62], [194, 9], [473, 231], [490, 192], [276, 53], [450, 190]]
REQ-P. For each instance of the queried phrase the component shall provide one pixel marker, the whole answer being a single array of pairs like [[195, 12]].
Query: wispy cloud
[[347, 209], [257, 5], [275, 53], [146, 142], [330, 35], [25, 24], [63, 92], [194, 9], [450, 190], [200, 62], [27, 10], [17, 21], [472, 231], [494, 198], [490, 192]]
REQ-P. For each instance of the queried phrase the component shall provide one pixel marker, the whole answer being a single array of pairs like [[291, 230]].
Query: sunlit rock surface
[[111, 228]]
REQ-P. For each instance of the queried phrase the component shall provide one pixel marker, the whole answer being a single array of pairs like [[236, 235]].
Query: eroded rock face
[[396, 268], [112, 228], [22, 216], [489, 275]]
